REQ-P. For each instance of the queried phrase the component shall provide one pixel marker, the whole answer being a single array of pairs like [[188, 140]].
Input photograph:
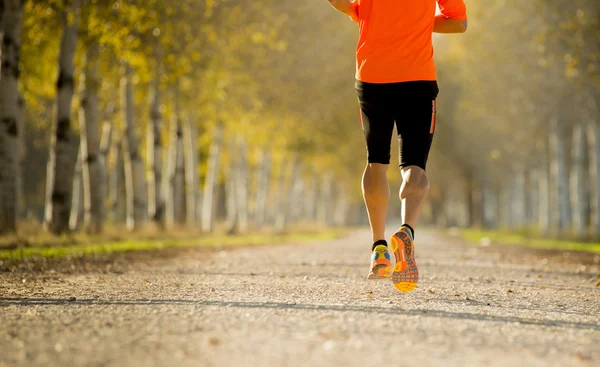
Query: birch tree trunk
[[21, 155], [341, 208], [579, 182], [286, 195], [560, 174], [191, 170], [212, 174], [264, 180], [310, 199], [175, 200], [135, 186], [323, 211], [281, 199], [594, 142], [231, 192], [60, 163], [105, 146], [11, 21], [116, 180], [156, 204], [241, 184], [93, 198], [518, 199], [77, 200]]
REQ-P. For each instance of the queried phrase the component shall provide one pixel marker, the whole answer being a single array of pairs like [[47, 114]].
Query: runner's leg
[[377, 121], [376, 192]]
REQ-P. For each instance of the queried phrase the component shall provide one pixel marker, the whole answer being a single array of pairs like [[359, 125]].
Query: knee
[[415, 182]]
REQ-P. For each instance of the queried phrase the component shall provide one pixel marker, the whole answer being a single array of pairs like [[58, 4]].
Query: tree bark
[[286, 195], [93, 198], [11, 21], [212, 174], [241, 184], [579, 182], [191, 169], [518, 199], [341, 208], [60, 164], [231, 190], [323, 206], [310, 199], [156, 204], [105, 146], [116, 180], [21, 155], [135, 185], [175, 198], [264, 180], [560, 174], [77, 208], [594, 142]]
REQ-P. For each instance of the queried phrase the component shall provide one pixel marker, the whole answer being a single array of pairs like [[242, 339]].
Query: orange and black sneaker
[[381, 264], [406, 274]]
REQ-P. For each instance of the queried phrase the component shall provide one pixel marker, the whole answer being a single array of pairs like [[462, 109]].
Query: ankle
[[379, 243]]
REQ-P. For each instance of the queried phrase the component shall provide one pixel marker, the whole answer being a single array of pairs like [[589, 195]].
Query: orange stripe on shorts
[[433, 117]]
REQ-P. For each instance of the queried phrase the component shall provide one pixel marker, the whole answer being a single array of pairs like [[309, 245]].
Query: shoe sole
[[405, 281], [378, 269]]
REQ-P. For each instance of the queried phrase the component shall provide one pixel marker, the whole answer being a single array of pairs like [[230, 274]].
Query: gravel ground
[[306, 305]]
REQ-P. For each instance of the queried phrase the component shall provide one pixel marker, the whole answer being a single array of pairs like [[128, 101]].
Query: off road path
[[307, 305]]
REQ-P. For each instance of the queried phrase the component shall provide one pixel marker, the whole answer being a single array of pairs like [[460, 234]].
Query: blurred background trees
[[242, 116]]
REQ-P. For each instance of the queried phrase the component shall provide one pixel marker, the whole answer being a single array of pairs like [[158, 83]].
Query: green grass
[[512, 238], [112, 247]]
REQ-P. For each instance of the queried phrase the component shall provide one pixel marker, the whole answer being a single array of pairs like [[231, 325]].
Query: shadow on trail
[[294, 306]]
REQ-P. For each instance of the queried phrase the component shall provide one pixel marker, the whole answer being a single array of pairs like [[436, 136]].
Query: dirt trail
[[308, 305]]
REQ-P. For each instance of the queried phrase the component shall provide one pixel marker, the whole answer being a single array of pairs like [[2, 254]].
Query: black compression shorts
[[411, 105]]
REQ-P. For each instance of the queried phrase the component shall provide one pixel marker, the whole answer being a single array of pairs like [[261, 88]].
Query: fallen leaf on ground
[[431, 291], [510, 291], [598, 282], [543, 287]]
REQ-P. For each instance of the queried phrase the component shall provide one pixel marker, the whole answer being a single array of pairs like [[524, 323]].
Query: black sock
[[379, 242], [412, 231]]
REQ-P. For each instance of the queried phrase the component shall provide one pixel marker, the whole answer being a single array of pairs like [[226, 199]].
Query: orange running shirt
[[395, 43]]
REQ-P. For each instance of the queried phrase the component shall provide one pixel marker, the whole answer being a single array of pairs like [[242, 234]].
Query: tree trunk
[[559, 158], [60, 163], [264, 180], [594, 142], [175, 199], [518, 199], [323, 206], [21, 155], [281, 209], [241, 184], [11, 21], [310, 199], [135, 185], [287, 201], [93, 198], [116, 181], [191, 170], [156, 204], [77, 200], [341, 208], [212, 174], [105, 146], [231, 190], [579, 182]]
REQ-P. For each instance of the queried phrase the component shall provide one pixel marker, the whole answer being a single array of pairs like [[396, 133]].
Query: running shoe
[[381, 264], [406, 274]]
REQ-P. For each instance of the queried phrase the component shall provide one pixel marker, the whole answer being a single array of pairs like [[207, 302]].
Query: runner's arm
[[345, 6], [453, 18], [448, 25]]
